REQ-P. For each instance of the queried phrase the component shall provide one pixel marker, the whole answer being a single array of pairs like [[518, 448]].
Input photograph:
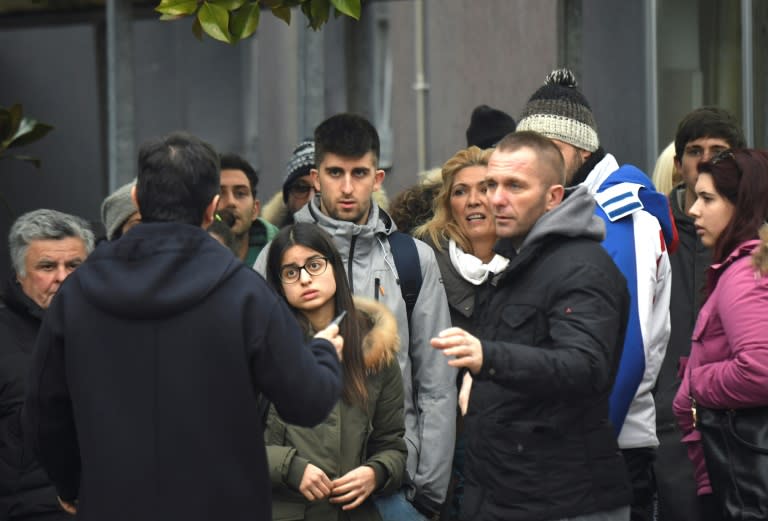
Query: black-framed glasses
[[315, 266]]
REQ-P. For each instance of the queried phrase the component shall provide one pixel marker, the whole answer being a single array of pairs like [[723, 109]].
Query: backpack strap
[[408, 268]]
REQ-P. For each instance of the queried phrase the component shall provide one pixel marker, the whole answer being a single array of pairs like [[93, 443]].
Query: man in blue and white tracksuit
[[639, 231]]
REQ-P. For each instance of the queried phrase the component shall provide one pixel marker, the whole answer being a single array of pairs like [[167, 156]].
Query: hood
[[382, 342], [574, 217], [275, 211], [155, 270], [379, 221], [607, 175]]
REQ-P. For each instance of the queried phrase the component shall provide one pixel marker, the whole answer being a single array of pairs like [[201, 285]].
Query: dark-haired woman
[[330, 471], [728, 365]]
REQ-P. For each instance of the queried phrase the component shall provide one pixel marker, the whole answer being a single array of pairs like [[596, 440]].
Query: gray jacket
[[429, 382]]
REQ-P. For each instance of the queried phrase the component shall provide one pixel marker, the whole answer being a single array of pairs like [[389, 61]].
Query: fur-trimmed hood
[[275, 210], [382, 341]]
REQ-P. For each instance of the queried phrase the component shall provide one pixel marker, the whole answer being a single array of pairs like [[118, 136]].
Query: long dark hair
[[312, 236], [740, 176]]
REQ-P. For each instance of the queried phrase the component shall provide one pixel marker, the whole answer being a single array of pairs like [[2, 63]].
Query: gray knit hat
[[559, 111], [301, 162], [117, 208]]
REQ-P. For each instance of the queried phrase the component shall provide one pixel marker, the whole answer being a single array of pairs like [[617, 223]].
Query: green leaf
[[229, 5], [29, 131], [171, 17], [348, 7], [177, 7], [16, 114], [215, 21], [245, 21], [320, 10], [283, 13], [197, 29]]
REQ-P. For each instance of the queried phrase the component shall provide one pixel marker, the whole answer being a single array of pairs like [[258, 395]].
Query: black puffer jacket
[[540, 445], [24, 487]]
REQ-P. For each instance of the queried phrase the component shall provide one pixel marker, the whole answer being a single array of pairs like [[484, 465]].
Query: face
[[711, 212], [470, 208], [574, 158], [236, 195], [346, 185], [517, 194], [309, 293], [695, 152], [300, 192], [47, 264]]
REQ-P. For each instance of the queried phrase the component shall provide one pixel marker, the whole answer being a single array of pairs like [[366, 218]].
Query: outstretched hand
[[465, 349], [331, 333]]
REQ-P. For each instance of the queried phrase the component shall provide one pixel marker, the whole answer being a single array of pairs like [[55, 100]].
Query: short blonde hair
[[665, 175]]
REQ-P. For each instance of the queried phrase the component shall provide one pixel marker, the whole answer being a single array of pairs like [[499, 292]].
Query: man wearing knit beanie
[[639, 230]]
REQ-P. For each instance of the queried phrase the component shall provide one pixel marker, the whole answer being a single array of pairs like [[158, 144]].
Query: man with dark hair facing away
[[144, 390]]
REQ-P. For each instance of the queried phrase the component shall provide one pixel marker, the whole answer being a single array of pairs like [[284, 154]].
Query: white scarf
[[471, 268]]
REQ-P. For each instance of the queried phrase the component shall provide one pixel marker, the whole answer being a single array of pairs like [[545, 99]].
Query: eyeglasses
[[315, 266], [299, 189]]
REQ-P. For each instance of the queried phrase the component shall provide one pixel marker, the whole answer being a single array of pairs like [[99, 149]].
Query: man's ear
[[678, 165], [378, 180], [555, 195], [210, 212], [256, 209], [133, 197], [314, 176]]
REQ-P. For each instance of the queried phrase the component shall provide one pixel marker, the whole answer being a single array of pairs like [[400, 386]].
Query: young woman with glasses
[[728, 365], [330, 471]]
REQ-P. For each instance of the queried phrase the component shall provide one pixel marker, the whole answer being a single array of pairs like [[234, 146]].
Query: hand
[[315, 484], [355, 486], [69, 507], [466, 387], [466, 349], [331, 333]]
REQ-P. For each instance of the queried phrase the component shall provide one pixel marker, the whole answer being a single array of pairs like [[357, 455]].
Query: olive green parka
[[349, 437]]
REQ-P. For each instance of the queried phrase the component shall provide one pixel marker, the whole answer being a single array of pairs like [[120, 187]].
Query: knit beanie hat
[[301, 162], [488, 126], [117, 208], [559, 111]]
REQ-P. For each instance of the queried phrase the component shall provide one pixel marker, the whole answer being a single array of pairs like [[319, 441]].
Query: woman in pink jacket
[[728, 365]]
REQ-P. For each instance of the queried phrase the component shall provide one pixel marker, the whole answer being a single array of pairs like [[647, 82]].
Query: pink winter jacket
[[728, 366]]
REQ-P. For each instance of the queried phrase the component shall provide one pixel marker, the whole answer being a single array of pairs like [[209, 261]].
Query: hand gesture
[[466, 349], [314, 483], [354, 487], [331, 333]]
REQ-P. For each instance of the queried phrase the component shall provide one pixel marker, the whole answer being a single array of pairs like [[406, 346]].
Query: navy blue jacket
[[142, 399]]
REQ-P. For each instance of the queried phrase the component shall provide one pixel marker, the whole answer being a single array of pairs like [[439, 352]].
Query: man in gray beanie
[[118, 212], [639, 231], [297, 186]]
